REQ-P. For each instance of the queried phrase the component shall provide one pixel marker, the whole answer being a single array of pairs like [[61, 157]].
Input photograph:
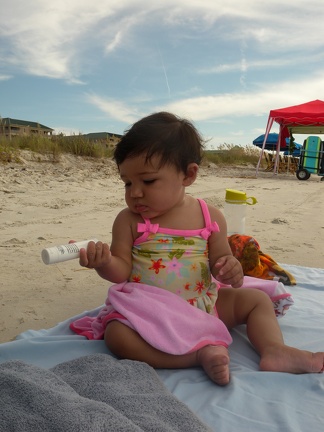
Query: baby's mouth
[[141, 208]]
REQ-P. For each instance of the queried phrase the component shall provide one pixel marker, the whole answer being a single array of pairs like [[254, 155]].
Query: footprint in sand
[[279, 221], [15, 241]]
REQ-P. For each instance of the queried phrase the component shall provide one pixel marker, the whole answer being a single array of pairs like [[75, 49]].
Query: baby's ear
[[191, 174]]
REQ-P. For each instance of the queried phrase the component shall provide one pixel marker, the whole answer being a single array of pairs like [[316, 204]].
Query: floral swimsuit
[[177, 261]]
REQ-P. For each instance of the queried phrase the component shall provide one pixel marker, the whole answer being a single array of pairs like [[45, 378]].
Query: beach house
[[10, 128]]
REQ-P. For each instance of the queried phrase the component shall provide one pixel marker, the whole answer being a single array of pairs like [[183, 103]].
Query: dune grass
[[230, 154], [54, 147], [226, 154]]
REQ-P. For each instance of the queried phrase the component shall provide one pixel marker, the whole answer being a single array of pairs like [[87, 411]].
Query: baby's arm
[[113, 263], [224, 266]]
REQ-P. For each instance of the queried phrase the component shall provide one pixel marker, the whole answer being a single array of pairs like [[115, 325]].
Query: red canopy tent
[[307, 118]]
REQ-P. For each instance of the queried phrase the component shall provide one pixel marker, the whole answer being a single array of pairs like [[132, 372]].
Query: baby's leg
[[128, 344], [254, 308], [291, 360]]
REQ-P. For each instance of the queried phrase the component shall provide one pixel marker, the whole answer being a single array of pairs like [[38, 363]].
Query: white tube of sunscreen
[[66, 252]]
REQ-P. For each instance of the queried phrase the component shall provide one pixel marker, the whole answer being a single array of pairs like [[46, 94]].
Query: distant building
[[10, 128], [101, 136], [106, 138]]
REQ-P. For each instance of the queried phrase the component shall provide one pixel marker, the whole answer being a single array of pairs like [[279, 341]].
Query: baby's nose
[[136, 192]]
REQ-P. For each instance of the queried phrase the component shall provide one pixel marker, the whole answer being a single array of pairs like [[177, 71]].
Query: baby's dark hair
[[176, 141]]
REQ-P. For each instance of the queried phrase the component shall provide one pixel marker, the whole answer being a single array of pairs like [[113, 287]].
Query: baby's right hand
[[96, 255]]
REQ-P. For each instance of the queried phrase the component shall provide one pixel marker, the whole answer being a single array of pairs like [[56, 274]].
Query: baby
[[177, 287]]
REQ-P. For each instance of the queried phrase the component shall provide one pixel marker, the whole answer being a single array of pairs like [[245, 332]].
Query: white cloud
[[5, 77], [48, 40], [248, 104], [57, 39], [272, 63], [114, 108]]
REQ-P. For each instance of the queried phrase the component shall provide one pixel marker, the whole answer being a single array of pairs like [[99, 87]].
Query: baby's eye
[[127, 184], [150, 181]]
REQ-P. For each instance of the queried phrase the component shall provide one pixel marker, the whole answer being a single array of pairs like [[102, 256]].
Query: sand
[[45, 204]]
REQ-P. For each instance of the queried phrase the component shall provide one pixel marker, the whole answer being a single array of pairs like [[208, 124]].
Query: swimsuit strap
[[209, 225], [148, 228], [205, 212]]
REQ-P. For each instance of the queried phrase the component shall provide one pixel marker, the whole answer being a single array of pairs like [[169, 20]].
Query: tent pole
[[276, 165], [268, 128]]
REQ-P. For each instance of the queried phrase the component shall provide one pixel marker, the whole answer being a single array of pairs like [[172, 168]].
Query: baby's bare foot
[[215, 362], [291, 360]]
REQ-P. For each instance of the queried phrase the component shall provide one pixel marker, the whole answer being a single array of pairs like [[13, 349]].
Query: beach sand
[[45, 204]]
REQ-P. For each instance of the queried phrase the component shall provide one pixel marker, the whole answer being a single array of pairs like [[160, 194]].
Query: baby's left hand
[[229, 271]]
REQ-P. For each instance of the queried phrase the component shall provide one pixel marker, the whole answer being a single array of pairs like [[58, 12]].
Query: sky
[[82, 66]]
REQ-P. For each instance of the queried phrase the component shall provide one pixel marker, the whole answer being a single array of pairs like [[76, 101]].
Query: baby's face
[[151, 190]]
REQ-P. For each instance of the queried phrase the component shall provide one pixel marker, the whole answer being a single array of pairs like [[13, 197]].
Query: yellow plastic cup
[[233, 196]]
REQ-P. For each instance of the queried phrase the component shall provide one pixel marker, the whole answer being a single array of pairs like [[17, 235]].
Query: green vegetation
[[226, 154], [7, 153], [54, 146], [230, 154]]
